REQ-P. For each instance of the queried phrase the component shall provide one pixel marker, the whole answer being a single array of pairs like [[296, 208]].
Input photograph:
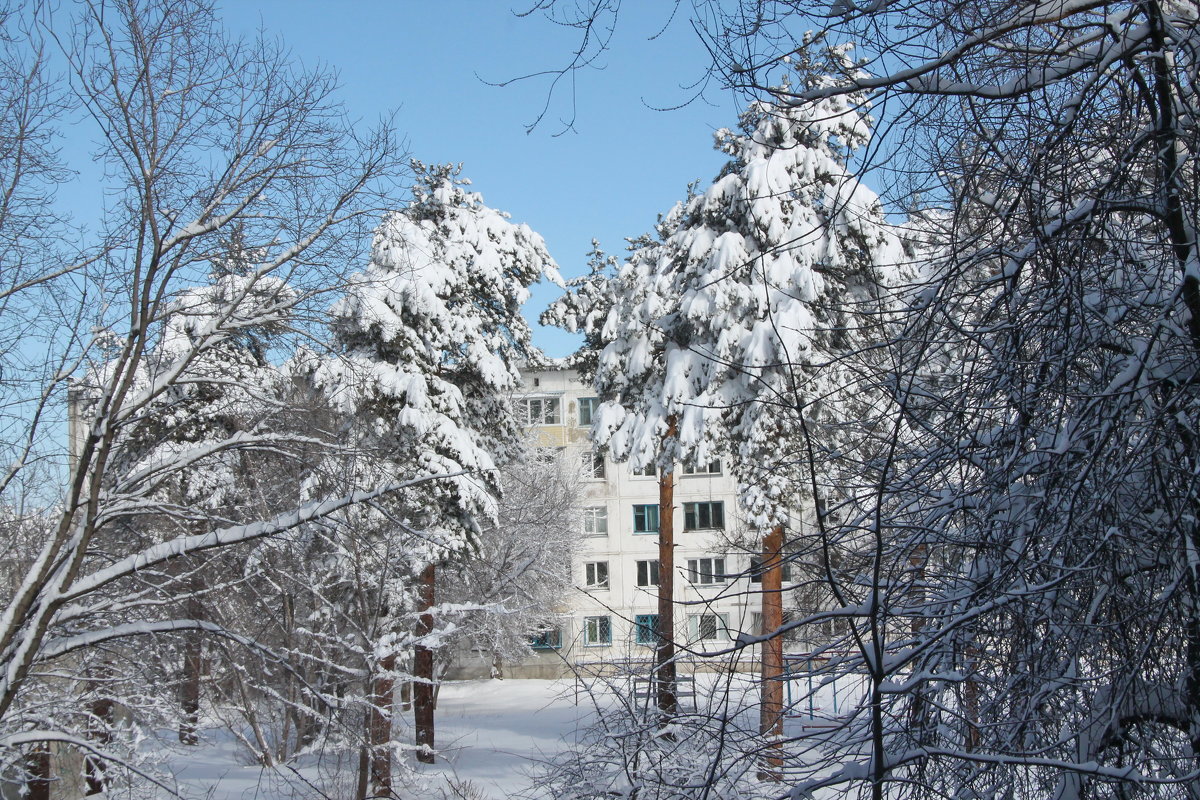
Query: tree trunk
[[379, 727], [364, 765], [99, 731], [37, 772], [423, 695], [193, 664], [971, 698], [771, 721], [664, 647]]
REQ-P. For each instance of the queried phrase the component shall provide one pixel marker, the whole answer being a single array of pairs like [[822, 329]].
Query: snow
[[490, 732], [493, 732], [763, 287]]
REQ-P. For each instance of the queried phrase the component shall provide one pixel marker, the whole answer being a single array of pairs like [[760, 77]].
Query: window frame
[[549, 410], [595, 575], [648, 471], [647, 569], [705, 469], [721, 632], [715, 574], [645, 511], [603, 631], [591, 403], [593, 518], [593, 465], [645, 627], [546, 639], [698, 512]]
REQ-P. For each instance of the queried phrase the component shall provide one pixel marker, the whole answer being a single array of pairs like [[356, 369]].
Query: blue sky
[[623, 164]]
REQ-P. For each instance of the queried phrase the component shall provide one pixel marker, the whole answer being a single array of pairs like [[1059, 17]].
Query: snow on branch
[[236, 534]]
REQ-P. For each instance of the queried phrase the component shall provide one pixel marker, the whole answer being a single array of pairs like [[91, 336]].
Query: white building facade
[[611, 614]]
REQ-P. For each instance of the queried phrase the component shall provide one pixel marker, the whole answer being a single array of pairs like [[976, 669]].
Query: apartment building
[[612, 612]]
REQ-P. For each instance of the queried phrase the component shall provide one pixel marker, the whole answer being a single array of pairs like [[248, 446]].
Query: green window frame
[[546, 639], [645, 626], [645, 518]]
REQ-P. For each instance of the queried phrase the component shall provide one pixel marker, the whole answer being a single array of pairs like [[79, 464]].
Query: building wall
[[729, 595]]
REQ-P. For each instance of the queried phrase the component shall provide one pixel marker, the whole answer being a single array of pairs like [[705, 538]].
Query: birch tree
[[198, 134], [517, 581]]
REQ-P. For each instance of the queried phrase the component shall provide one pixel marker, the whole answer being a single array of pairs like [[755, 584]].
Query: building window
[[702, 516], [647, 471], [595, 521], [592, 464], [546, 639], [645, 518], [597, 631], [708, 627], [711, 468], [706, 570], [756, 623], [644, 627], [542, 411], [595, 574], [647, 573], [790, 633], [587, 409]]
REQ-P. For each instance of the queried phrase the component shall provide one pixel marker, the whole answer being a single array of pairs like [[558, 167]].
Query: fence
[[817, 691]]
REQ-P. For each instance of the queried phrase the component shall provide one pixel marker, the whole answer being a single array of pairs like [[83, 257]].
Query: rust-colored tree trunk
[[664, 648], [423, 683], [379, 727], [772, 651]]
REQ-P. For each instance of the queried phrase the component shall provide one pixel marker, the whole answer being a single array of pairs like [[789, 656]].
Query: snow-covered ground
[[490, 733]]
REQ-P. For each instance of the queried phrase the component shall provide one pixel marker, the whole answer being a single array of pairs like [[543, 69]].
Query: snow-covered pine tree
[[584, 309], [776, 276], [428, 340], [628, 379]]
